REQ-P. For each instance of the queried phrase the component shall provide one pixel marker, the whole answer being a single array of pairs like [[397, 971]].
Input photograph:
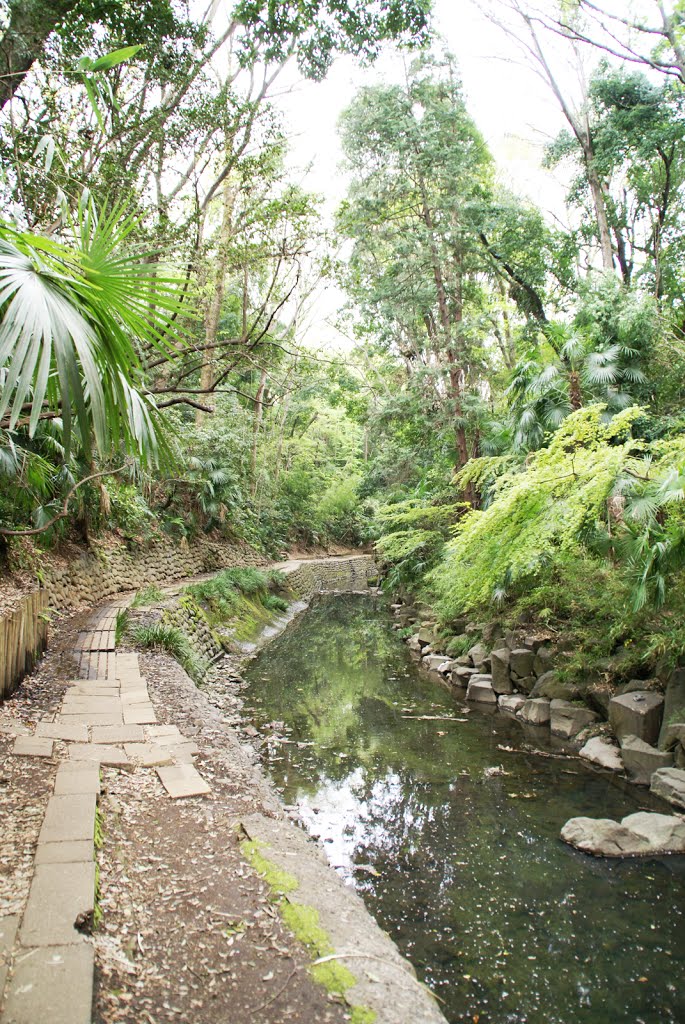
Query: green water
[[464, 867]]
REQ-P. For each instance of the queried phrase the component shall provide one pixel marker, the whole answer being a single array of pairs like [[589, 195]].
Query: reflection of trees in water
[[470, 867]]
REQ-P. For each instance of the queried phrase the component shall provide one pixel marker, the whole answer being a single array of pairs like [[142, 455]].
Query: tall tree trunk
[[31, 22]]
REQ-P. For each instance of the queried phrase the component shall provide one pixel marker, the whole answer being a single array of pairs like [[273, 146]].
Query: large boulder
[[642, 760], [674, 709], [665, 832], [521, 662], [478, 655], [480, 690], [603, 753], [511, 702], [434, 662], [544, 659], [672, 735], [499, 662], [640, 834], [426, 635], [669, 783], [567, 720], [637, 714], [535, 712], [525, 684], [462, 673], [549, 685], [604, 837]]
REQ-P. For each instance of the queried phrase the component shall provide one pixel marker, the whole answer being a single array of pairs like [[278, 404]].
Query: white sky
[[511, 106]]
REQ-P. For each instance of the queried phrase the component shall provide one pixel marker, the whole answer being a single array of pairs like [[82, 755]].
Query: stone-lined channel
[[454, 843]]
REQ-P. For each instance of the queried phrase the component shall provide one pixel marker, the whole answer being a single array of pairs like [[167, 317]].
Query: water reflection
[[453, 842]]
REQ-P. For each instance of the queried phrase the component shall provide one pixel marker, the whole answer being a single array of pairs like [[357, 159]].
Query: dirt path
[[185, 929], [189, 932]]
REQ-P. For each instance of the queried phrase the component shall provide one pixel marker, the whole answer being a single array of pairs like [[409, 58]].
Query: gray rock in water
[[604, 838], [511, 702], [642, 760], [434, 661], [637, 714], [480, 689], [674, 708], [637, 835], [665, 832], [567, 720], [501, 680], [521, 662], [462, 673], [535, 712], [603, 753], [669, 783]]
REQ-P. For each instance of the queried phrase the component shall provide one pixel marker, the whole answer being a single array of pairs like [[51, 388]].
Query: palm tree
[[76, 323]]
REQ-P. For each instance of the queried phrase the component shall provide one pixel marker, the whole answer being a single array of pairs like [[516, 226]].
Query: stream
[[453, 843]]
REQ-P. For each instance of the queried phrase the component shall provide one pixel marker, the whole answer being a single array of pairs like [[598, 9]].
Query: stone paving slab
[[74, 733], [52, 986], [85, 780], [68, 817], [155, 731], [32, 746], [85, 719], [128, 683], [133, 697], [78, 705], [182, 753], [101, 753], [65, 853], [140, 714], [85, 690], [149, 755], [8, 933], [60, 893], [167, 739], [118, 734], [183, 780]]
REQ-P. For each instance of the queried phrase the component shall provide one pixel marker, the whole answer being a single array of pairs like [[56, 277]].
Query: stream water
[[453, 843]]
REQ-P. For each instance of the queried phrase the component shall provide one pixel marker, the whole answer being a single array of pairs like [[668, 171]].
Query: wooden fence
[[23, 639]]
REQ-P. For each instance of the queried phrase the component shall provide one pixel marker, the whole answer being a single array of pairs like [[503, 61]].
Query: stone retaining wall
[[329, 575], [96, 575]]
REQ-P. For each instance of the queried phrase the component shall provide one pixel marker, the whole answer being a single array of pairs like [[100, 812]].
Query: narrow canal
[[453, 842]]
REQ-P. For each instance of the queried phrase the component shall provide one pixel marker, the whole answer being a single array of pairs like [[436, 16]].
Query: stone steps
[[106, 719]]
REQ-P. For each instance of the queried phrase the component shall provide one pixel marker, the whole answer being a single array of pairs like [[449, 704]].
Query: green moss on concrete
[[363, 1015], [280, 881], [303, 922]]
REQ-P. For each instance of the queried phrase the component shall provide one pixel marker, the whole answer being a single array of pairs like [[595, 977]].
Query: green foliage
[[221, 595], [536, 512], [147, 596], [72, 322], [165, 637], [121, 625]]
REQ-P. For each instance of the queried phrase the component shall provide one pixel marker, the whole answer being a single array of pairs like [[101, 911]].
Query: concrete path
[[106, 718]]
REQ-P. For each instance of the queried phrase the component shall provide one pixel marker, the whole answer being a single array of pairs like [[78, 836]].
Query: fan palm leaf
[[75, 323]]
